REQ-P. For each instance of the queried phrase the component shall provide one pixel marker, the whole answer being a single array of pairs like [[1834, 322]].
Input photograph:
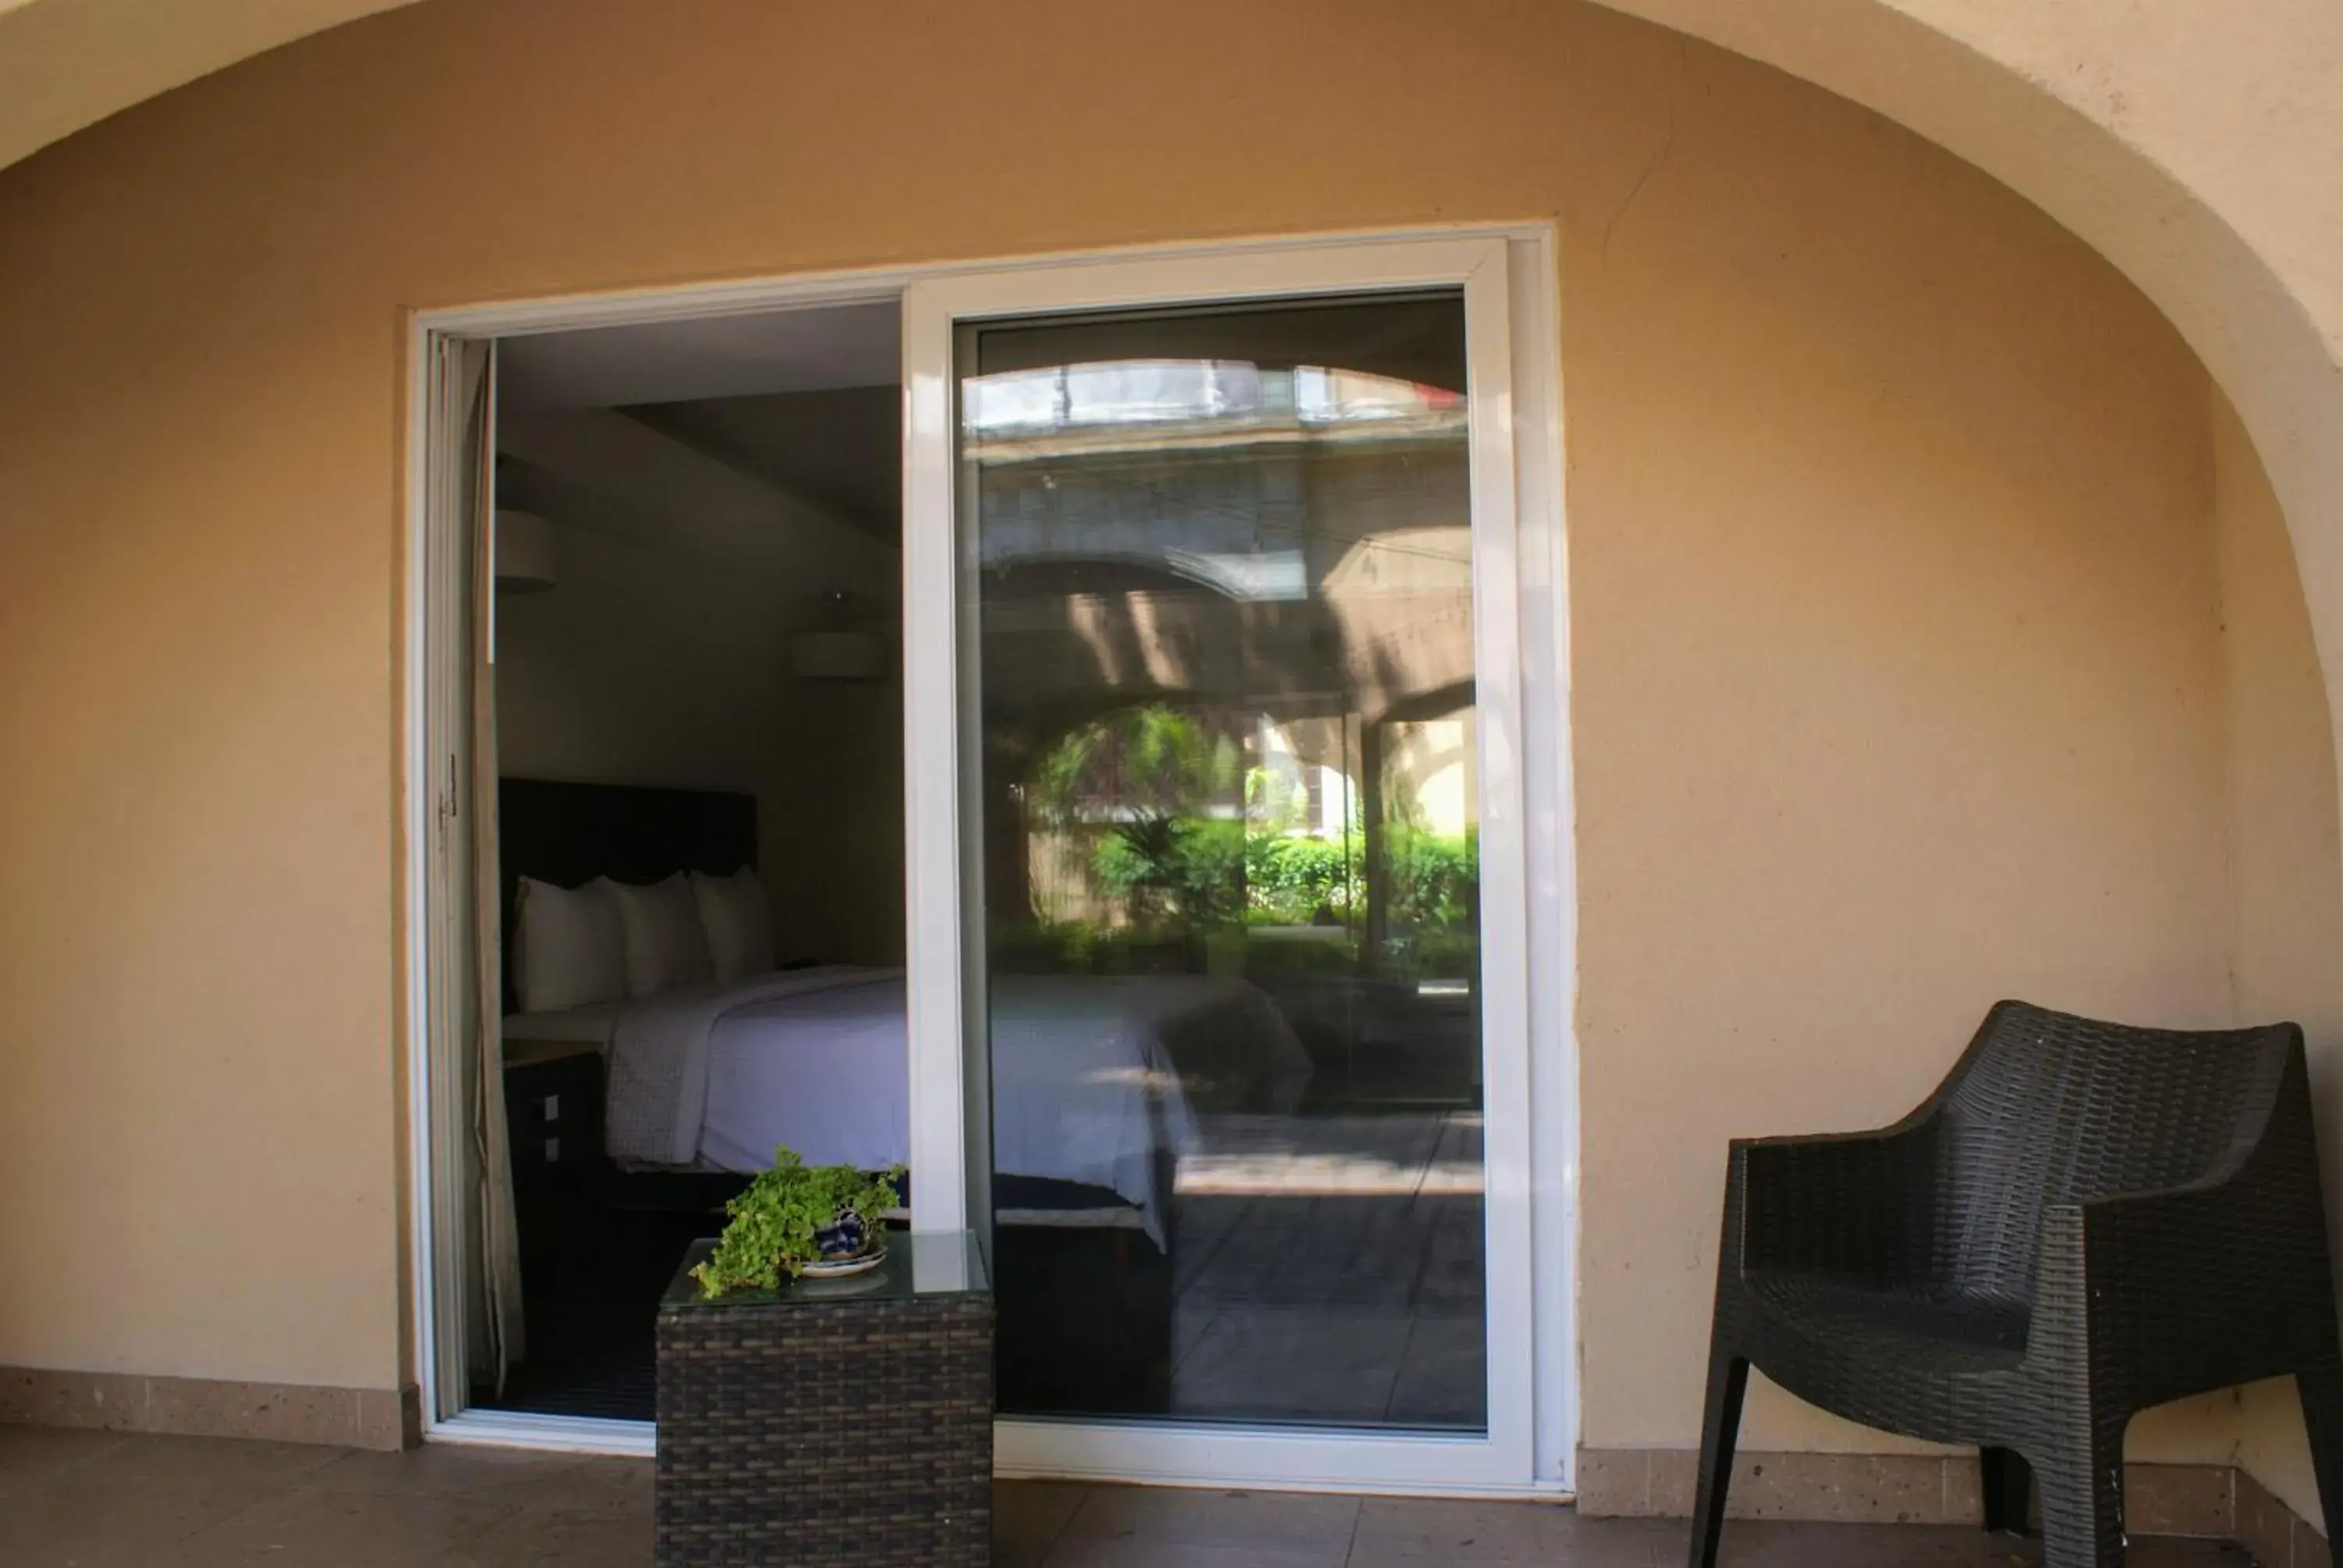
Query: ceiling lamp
[[838, 656], [528, 557], [842, 651]]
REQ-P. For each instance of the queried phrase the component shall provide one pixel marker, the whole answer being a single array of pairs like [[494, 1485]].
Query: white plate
[[840, 1268]]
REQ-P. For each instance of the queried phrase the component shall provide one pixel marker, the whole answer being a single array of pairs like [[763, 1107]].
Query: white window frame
[[1509, 277]]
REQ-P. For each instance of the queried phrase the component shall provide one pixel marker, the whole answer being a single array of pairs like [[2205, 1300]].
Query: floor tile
[[1191, 1320], [1282, 1363], [2173, 1553], [1768, 1544], [80, 1520], [1140, 1553], [349, 1530], [1281, 1526], [146, 1460], [33, 1454], [1396, 1531], [1443, 1376], [511, 1476], [85, 1500], [536, 1538], [1340, 1221], [1028, 1517]]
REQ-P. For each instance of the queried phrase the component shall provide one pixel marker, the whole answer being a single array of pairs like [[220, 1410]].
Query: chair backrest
[[2048, 1109]]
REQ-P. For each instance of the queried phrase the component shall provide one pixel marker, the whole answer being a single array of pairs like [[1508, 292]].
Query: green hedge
[[1212, 871], [1289, 880]]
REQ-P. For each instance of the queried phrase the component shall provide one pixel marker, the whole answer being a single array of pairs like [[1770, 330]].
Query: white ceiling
[[816, 349]]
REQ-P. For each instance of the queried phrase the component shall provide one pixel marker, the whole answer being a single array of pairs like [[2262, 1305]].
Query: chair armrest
[[1856, 1204], [2227, 1273], [2237, 1246]]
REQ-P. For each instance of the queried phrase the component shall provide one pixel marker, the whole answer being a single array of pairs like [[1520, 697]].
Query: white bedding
[[821, 1071], [1087, 1072]]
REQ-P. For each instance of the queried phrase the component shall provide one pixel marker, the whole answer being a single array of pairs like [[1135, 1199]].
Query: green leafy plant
[[1289, 878], [1145, 781], [772, 1225]]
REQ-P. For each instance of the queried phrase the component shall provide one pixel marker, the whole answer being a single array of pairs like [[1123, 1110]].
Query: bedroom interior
[[1228, 793]]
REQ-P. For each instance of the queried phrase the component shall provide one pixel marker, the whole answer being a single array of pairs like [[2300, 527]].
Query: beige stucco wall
[[2283, 854], [1897, 684], [1899, 675]]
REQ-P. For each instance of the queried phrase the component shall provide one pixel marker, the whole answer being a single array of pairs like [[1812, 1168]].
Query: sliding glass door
[[1226, 752], [1238, 848], [1237, 1000]]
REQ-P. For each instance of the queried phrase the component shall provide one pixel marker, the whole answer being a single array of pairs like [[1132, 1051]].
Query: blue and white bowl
[[848, 1247], [845, 1237]]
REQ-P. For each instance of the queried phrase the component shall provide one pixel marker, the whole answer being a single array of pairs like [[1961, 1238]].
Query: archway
[[2103, 128], [2152, 140], [2122, 135]]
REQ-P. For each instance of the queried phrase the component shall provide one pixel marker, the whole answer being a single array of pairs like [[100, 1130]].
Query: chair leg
[[2081, 1480], [2008, 1490], [1720, 1429], [2321, 1388]]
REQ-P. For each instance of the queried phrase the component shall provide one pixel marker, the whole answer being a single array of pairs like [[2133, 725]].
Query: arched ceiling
[[66, 63], [2196, 143], [2168, 135]]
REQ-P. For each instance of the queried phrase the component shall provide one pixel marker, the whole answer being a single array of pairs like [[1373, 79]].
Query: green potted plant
[[798, 1217]]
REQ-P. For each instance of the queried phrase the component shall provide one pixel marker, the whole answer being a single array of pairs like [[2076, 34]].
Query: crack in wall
[[1667, 145]]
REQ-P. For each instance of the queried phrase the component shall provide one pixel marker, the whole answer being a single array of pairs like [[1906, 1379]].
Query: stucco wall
[[1898, 668], [2283, 854]]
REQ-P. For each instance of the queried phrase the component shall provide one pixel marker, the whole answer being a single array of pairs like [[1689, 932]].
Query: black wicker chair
[[2084, 1220]]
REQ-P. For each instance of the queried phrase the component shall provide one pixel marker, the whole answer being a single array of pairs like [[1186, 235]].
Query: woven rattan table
[[833, 1422]]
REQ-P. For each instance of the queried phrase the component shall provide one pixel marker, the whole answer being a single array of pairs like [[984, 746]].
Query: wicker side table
[[832, 1422]]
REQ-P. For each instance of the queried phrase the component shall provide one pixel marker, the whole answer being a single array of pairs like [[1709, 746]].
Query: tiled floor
[[1330, 1270], [95, 1500]]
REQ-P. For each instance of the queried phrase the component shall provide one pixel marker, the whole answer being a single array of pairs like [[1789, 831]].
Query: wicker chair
[[2082, 1222]]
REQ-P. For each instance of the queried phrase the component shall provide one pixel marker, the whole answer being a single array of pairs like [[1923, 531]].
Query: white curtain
[[499, 1231], [476, 1136]]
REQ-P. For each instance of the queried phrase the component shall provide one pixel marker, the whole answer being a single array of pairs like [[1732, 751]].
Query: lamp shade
[[838, 656], [528, 558]]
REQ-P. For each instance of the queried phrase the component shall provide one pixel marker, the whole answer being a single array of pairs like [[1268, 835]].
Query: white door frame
[[1521, 615]]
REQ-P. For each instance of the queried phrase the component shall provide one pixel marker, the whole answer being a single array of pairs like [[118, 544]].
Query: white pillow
[[738, 922], [665, 946], [568, 948]]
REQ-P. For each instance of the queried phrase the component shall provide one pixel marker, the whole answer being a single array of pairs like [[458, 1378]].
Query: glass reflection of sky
[[1165, 391]]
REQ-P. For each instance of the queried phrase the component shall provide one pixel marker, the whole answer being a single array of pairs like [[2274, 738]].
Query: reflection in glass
[[1225, 750]]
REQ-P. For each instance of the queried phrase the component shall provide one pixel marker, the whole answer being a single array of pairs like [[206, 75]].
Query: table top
[[919, 1264]]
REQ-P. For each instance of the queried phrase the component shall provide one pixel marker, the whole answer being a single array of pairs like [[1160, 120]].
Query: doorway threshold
[[549, 1433]]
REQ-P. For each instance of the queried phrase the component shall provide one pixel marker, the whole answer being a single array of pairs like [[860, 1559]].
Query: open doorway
[[698, 846]]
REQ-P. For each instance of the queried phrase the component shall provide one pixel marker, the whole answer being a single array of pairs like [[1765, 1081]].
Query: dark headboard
[[569, 834]]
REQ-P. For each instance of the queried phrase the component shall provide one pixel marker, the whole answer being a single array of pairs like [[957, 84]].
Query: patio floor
[[76, 1498]]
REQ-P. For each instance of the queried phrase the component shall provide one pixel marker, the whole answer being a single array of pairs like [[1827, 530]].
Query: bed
[[1087, 1088], [1095, 1083], [1093, 1076]]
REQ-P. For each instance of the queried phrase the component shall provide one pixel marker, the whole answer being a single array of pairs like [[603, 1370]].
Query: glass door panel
[[1224, 788]]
